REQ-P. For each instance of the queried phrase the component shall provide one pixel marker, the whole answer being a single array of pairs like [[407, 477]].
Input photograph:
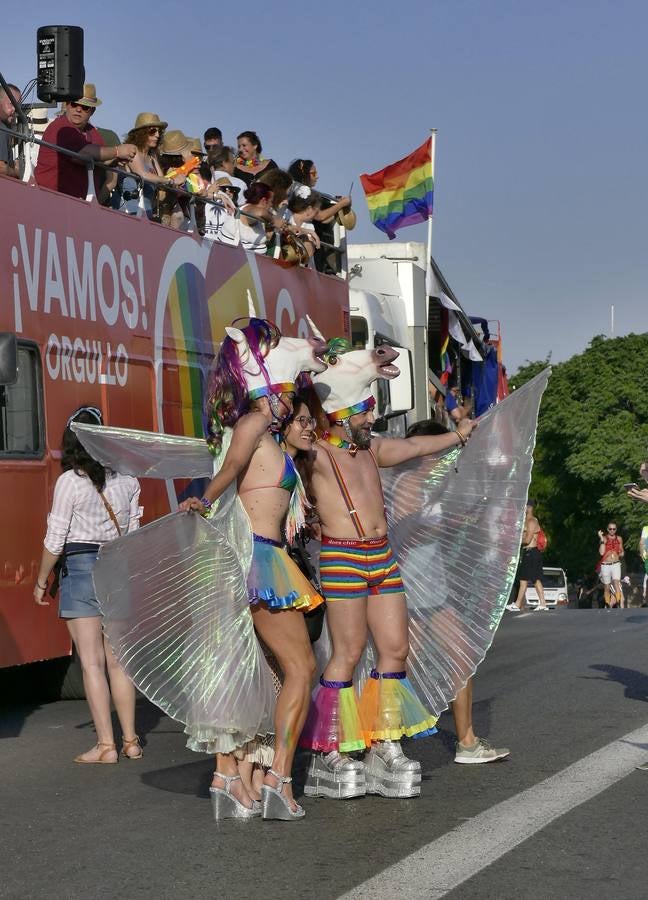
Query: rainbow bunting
[[401, 194]]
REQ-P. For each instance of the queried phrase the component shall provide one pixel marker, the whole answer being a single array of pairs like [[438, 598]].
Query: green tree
[[592, 438]]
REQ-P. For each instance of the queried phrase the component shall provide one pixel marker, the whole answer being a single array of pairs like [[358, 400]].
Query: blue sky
[[542, 148]]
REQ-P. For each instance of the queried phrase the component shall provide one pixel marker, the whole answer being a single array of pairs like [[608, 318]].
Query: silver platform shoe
[[275, 804], [226, 806], [335, 775], [390, 773]]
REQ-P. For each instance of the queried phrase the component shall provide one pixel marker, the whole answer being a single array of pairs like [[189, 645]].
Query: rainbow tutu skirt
[[276, 581]]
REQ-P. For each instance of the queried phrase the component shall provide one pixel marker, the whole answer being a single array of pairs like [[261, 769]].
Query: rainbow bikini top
[[287, 479]]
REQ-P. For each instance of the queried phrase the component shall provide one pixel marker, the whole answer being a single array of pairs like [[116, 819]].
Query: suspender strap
[[346, 496]]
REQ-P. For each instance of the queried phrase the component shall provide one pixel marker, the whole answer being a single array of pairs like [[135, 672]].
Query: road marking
[[444, 864]]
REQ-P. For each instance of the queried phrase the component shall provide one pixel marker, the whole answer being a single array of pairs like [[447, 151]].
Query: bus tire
[[72, 684]]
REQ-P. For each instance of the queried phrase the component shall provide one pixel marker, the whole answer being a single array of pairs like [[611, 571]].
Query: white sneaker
[[513, 607], [480, 752]]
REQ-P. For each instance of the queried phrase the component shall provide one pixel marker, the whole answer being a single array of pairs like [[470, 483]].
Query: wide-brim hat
[[197, 147], [347, 218], [37, 118], [174, 142], [148, 120], [89, 97]]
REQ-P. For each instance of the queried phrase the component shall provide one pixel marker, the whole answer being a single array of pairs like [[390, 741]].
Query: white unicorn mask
[[283, 362], [344, 388]]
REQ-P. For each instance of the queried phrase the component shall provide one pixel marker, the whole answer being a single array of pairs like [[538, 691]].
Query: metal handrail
[[190, 198]]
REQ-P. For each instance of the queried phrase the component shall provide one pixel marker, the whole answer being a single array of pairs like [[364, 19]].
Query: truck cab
[[389, 303]]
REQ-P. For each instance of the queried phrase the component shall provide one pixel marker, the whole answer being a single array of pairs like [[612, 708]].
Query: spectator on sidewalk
[[611, 552], [530, 562]]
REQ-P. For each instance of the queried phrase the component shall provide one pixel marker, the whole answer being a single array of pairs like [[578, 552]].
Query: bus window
[[21, 432], [359, 332]]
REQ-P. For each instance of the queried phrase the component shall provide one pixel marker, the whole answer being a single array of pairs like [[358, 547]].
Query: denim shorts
[[76, 590]]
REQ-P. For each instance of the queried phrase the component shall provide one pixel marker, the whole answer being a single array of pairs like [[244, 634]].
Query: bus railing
[[189, 201]]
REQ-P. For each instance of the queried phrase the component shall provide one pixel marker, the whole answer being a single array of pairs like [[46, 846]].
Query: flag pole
[[428, 266]]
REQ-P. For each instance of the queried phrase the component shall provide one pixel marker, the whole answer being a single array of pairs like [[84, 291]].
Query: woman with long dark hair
[[250, 392], [91, 506]]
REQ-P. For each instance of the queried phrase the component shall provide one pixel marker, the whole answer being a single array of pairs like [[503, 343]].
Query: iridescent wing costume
[[174, 596], [456, 524], [173, 593]]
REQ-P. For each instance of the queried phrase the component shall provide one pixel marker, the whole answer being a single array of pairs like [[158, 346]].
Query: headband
[[87, 409], [348, 411], [283, 387]]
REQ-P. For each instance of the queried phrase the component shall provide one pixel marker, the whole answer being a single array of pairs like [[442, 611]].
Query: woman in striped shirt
[[91, 506]]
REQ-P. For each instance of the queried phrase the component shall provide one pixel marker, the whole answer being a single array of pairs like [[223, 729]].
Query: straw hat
[[347, 218], [196, 147], [147, 120], [174, 142], [89, 97]]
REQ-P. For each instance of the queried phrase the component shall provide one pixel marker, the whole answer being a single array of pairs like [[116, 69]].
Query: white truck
[[388, 303]]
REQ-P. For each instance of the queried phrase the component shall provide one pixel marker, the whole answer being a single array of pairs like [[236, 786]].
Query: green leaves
[[592, 438]]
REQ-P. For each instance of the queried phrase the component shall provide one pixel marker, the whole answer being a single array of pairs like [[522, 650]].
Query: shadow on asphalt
[[13, 719], [635, 683], [192, 778]]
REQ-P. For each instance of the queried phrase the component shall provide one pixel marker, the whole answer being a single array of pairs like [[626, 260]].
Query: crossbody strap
[[110, 512], [346, 496]]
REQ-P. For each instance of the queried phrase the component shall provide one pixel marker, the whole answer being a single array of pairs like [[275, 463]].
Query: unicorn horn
[[251, 310], [316, 332]]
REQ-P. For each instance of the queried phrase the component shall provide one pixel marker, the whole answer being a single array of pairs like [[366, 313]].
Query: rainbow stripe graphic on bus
[[194, 327]]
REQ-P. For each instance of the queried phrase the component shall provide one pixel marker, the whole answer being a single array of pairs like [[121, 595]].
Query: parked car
[[554, 582]]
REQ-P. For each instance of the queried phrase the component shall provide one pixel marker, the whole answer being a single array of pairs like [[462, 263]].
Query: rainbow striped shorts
[[357, 568]]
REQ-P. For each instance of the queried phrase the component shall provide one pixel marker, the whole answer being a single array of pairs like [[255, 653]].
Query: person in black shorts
[[530, 562]]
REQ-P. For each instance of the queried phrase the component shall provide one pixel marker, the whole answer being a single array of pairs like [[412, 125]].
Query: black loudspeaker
[[59, 51]]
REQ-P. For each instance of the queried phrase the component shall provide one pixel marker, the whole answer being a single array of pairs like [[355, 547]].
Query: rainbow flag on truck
[[401, 194]]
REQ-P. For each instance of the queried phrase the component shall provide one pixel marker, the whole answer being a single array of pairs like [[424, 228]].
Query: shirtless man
[[364, 591], [531, 563], [611, 552]]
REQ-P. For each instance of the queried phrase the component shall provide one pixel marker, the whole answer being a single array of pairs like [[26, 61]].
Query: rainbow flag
[[401, 194]]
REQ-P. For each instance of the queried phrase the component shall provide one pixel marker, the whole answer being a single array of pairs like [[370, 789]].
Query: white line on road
[[460, 854]]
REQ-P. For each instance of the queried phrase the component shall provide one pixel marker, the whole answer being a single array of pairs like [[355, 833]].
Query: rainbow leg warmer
[[390, 709], [333, 721]]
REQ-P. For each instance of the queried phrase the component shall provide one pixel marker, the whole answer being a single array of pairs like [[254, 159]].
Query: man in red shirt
[[72, 131]]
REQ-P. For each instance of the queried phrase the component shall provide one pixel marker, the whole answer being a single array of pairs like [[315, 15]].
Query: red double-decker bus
[[122, 313]]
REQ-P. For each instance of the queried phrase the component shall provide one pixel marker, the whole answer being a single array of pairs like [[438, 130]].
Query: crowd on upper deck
[[230, 195]]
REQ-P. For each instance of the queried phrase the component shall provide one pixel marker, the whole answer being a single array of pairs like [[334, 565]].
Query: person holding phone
[[634, 490], [611, 552]]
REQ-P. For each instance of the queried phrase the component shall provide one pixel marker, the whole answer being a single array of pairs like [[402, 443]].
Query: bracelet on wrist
[[207, 505], [462, 439], [42, 587]]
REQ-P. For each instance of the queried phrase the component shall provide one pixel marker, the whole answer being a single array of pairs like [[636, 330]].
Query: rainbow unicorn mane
[[227, 388]]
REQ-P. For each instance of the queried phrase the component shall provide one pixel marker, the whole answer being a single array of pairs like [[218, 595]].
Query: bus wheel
[[72, 683]]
